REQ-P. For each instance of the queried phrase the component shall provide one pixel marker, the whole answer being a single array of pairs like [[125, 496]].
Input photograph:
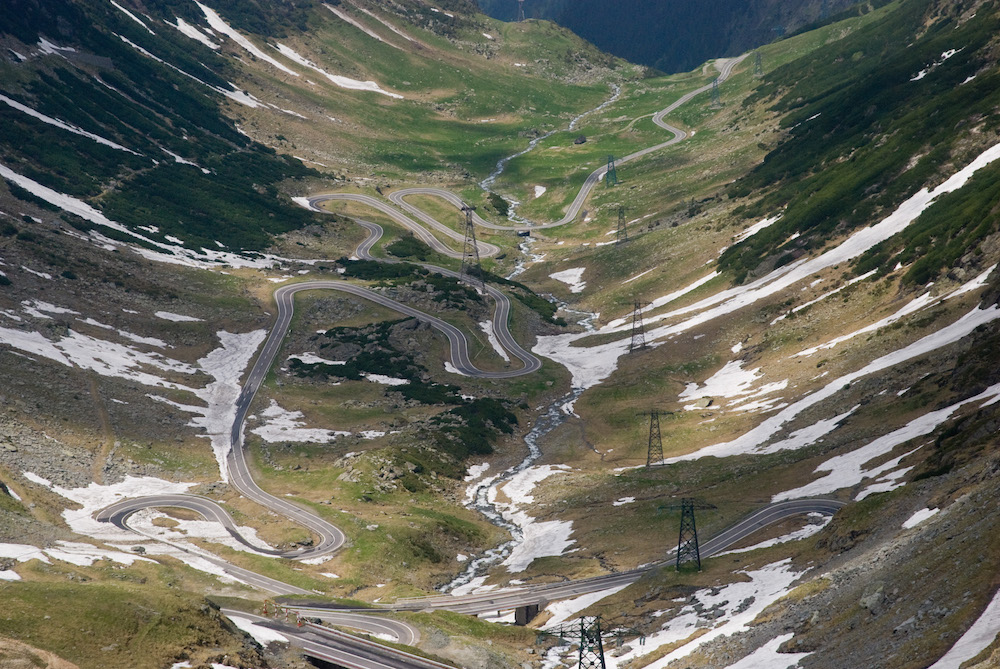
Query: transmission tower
[[520, 10], [638, 331], [589, 637], [716, 100], [654, 455], [687, 541], [471, 268], [758, 65], [611, 176], [622, 234]]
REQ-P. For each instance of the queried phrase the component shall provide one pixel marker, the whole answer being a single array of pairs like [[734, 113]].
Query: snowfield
[[540, 539], [571, 277]]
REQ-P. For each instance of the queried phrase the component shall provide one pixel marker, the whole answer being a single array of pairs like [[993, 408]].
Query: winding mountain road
[[343, 649], [398, 197]]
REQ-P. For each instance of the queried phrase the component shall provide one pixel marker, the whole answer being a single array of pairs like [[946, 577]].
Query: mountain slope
[[676, 36], [807, 295]]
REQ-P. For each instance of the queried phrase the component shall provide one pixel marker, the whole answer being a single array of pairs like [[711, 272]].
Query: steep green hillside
[[677, 36], [147, 104]]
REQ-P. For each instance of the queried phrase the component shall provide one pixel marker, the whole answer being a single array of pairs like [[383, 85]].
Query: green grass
[[110, 625]]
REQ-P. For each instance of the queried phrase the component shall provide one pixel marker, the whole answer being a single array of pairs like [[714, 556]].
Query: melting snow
[[540, 539], [219, 25], [262, 635], [62, 124], [819, 521], [194, 33], [751, 441], [757, 227], [385, 380], [177, 318], [637, 276], [919, 517], [95, 497], [388, 25], [591, 365], [768, 657], [567, 608], [540, 191], [731, 381], [205, 258], [571, 277], [739, 604], [343, 82], [48, 47], [132, 16], [225, 365], [285, 425], [487, 327], [848, 469], [978, 638], [313, 359], [349, 19]]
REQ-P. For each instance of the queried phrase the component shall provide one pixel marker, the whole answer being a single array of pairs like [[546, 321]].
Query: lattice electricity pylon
[[471, 268], [716, 100], [622, 234], [758, 65], [638, 331], [587, 634], [654, 456], [520, 10], [611, 176], [687, 540]]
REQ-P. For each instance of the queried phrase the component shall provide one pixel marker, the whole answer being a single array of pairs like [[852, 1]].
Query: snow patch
[[283, 425], [565, 609], [756, 227], [919, 517], [819, 521], [487, 327], [177, 318], [343, 82], [572, 277], [313, 359], [63, 125], [975, 640], [385, 380], [194, 33], [219, 25], [591, 365], [132, 16], [847, 470], [739, 603], [768, 657], [540, 539], [637, 276], [262, 635]]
